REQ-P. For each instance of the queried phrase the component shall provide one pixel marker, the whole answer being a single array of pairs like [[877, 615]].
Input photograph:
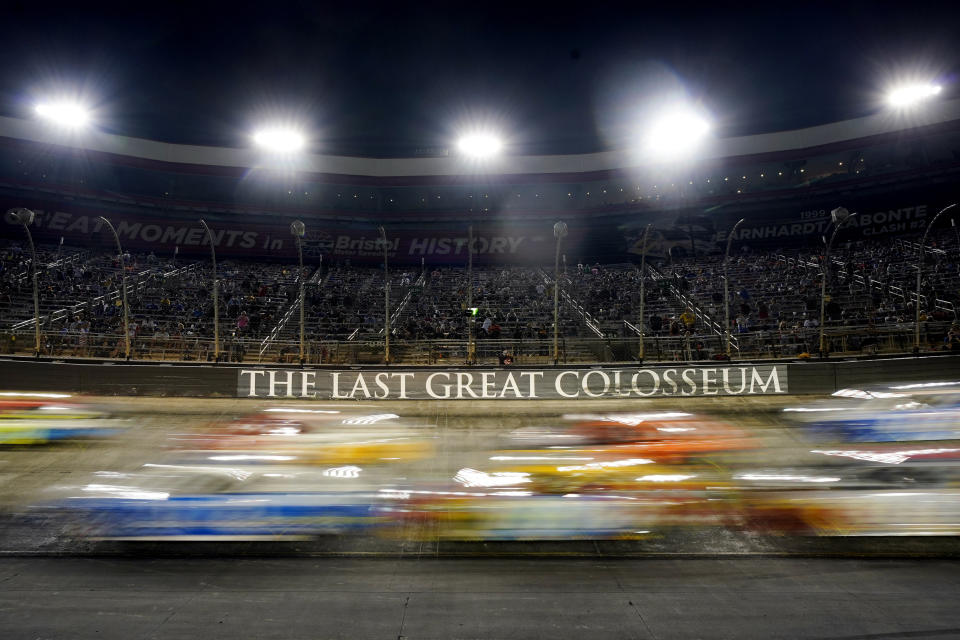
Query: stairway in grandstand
[[342, 302], [517, 299], [289, 316], [705, 315], [77, 284]]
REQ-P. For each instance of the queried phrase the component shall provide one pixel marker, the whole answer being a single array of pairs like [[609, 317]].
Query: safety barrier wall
[[847, 341], [373, 383]]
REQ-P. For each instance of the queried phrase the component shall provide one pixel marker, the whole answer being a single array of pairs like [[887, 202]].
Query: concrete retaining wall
[[198, 380]]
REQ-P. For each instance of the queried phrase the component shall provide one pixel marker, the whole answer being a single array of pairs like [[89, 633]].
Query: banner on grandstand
[[509, 384], [431, 243], [785, 227], [515, 240]]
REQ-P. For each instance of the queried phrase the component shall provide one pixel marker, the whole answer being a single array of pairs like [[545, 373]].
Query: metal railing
[[368, 348], [399, 312], [23, 276], [139, 282], [694, 305], [315, 279], [588, 320]]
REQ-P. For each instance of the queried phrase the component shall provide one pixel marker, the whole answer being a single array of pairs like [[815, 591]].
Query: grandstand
[[893, 176]]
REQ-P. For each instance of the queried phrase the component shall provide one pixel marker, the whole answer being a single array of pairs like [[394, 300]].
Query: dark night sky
[[383, 80]]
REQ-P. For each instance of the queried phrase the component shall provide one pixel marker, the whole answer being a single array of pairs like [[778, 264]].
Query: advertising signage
[[519, 384], [497, 240]]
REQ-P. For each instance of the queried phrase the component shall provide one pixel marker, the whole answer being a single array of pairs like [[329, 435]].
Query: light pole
[[298, 229], [953, 223], [559, 231], [386, 299], [643, 281], [216, 303], [471, 346], [25, 217], [726, 284], [839, 215], [123, 280], [923, 242]]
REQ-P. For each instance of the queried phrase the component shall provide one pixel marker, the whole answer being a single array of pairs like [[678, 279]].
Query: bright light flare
[[70, 115], [911, 95], [675, 134], [279, 140], [480, 145]]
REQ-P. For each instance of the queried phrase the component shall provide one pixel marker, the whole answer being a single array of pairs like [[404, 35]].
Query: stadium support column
[[559, 231], [123, 286], [923, 243], [726, 284], [839, 215], [216, 296], [386, 298], [471, 345], [25, 217], [298, 229], [643, 281]]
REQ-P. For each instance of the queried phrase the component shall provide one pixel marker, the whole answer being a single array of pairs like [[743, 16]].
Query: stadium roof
[[755, 145], [401, 80]]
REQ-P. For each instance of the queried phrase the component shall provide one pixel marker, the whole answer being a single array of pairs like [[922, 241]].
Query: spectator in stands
[[952, 339], [656, 323], [743, 323], [487, 323], [674, 327], [243, 321]]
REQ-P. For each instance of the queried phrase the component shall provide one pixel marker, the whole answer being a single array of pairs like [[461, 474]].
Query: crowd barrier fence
[[369, 349]]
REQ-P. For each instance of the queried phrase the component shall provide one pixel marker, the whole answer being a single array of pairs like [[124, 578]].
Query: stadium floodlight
[[839, 215], [70, 115], [480, 145], [675, 134], [911, 95], [279, 139]]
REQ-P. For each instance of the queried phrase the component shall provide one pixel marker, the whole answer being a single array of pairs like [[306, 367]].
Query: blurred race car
[[174, 503], [910, 500], [891, 414], [28, 422], [518, 514], [591, 476], [307, 436], [667, 437]]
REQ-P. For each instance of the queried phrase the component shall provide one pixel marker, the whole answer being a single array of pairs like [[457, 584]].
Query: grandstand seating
[[774, 303]]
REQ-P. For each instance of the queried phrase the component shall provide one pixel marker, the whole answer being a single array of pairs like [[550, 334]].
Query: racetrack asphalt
[[292, 598]]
